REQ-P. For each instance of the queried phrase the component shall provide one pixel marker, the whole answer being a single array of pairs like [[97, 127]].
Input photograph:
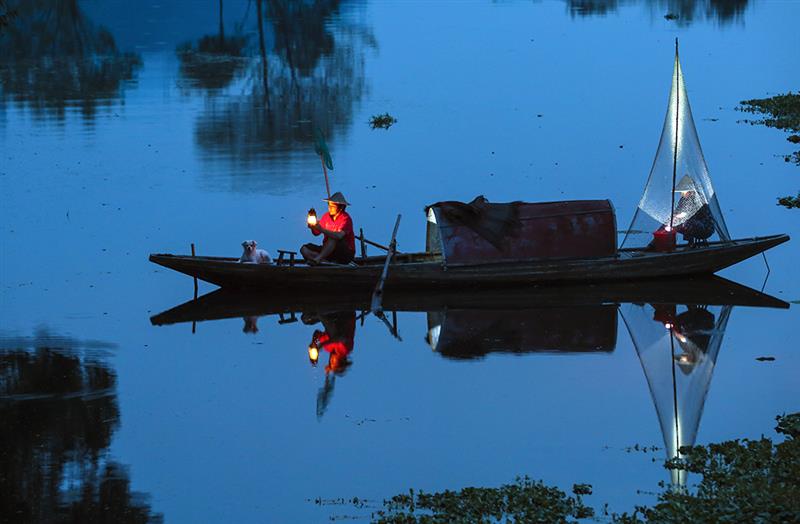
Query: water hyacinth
[[384, 121], [740, 481]]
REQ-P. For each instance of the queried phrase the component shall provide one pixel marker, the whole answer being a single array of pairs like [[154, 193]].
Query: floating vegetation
[[783, 112], [765, 359], [790, 201], [384, 121], [670, 16], [740, 481], [523, 501]]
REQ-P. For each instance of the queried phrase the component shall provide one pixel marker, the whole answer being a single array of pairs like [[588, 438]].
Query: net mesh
[[678, 194], [677, 347]]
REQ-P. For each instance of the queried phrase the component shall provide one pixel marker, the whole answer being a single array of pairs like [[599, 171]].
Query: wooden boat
[[703, 291], [429, 270], [485, 244]]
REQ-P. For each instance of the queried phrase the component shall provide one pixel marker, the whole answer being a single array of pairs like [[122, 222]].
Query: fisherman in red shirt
[[336, 225]]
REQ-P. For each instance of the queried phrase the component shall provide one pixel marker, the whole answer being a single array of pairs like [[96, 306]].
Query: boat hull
[[415, 272]]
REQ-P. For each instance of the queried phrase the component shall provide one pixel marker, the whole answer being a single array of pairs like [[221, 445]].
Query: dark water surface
[[134, 127]]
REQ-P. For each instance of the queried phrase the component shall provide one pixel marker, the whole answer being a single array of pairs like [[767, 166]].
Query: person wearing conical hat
[[339, 243]]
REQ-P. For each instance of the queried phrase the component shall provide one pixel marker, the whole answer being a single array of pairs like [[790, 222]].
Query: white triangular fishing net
[[678, 353], [678, 193]]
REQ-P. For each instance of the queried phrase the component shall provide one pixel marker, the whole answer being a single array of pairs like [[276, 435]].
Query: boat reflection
[[59, 410], [677, 346], [677, 328], [470, 334], [225, 303]]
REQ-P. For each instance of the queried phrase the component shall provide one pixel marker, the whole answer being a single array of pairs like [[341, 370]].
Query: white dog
[[252, 255]]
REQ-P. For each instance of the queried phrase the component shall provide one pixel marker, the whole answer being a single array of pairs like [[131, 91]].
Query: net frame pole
[[675, 147]]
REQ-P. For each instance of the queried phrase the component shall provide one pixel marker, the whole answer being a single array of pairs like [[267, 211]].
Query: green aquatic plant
[[523, 501], [739, 481], [781, 112], [384, 121], [790, 201]]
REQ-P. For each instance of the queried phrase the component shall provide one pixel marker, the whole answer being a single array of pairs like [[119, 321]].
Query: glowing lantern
[[312, 217]]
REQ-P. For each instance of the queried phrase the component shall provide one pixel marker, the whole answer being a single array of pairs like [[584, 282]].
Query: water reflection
[[336, 338], [469, 334], [677, 347], [676, 326], [311, 76], [59, 409], [53, 58], [214, 61], [682, 12]]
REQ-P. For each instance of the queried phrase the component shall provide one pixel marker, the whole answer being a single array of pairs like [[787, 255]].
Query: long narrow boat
[[425, 270], [485, 244]]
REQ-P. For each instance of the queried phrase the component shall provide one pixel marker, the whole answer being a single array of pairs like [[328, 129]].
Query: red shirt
[[342, 222]]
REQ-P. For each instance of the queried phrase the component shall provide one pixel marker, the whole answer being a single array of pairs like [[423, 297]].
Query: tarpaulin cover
[[481, 231]]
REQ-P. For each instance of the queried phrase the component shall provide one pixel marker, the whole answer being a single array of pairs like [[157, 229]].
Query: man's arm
[[318, 229], [336, 235]]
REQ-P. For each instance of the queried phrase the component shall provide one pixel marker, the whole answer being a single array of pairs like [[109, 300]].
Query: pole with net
[[675, 148]]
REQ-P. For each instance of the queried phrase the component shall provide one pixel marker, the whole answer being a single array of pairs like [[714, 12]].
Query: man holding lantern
[[339, 244]]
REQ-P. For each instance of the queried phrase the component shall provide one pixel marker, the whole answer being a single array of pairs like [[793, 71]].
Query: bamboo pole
[[675, 148], [377, 295], [195, 278], [194, 323], [363, 244], [371, 243], [325, 172]]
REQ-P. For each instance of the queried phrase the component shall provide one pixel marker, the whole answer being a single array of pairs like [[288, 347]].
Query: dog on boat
[[253, 255]]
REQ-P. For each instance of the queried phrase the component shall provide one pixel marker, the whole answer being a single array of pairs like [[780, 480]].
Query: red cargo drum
[[664, 240]]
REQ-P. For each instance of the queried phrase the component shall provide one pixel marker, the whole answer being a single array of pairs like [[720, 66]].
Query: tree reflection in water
[[686, 11], [215, 60], [53, 58], [59, 409], [313, 76]]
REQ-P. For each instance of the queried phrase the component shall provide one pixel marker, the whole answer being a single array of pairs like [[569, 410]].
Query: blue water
[[531, 101]]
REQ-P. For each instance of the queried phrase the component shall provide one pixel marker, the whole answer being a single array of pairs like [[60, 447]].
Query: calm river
[[130, 128]]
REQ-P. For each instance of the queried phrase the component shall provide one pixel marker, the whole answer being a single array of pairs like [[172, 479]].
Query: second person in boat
[[339, 244]]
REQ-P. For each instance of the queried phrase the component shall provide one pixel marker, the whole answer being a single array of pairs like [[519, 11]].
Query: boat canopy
[[480, 232], [678, 195]]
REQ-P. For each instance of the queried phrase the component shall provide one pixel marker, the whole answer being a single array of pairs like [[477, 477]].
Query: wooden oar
[[377, 295]]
